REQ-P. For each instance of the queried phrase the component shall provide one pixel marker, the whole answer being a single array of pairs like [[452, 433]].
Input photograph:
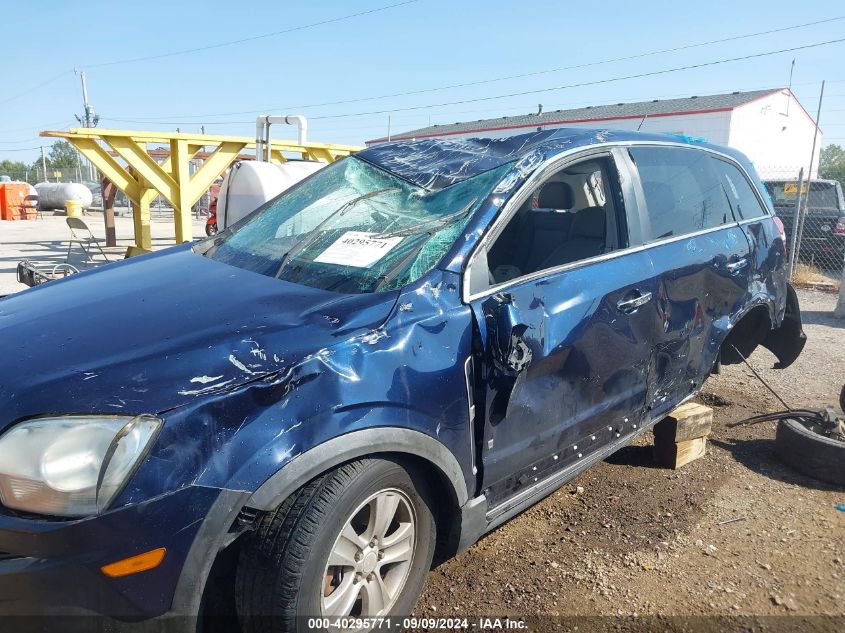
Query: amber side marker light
[[134, 564]]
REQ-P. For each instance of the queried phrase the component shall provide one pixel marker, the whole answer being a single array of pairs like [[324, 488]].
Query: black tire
[[842, 399], [809, 453], [281, 569]]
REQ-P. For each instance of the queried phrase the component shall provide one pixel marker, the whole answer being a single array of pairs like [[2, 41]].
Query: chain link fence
[[813, 214]]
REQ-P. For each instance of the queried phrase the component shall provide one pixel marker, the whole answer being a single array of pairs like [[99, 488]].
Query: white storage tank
[[249, 184], [53, 195]]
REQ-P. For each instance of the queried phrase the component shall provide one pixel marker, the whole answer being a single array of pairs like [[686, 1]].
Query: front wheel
[[356, 542]]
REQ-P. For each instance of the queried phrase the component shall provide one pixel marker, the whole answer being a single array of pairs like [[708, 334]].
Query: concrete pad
[[45, 241]]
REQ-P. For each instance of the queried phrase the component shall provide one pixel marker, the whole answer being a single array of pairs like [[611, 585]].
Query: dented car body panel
[[516, 385]]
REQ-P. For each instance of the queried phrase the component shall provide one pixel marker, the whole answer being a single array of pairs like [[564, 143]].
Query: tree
[[16, 170], [832, 163], [62, 157]]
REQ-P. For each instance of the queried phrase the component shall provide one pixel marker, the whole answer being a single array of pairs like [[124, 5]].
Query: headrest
[[555, 195], [589, 223], [659, 197]]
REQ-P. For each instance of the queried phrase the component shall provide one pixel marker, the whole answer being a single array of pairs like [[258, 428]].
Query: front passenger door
[[566, 348]]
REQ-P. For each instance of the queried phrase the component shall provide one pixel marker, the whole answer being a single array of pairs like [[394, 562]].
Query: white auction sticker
[[358, 249]]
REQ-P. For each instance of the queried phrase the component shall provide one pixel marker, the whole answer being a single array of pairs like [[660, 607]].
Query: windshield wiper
[[309, 237], [391, 273], [436, 223]]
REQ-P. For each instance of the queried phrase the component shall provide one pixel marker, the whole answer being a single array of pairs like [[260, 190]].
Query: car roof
[[436, 163]]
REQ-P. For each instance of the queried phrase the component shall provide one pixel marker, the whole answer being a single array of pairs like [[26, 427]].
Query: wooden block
[[687, 422], [676, 454]]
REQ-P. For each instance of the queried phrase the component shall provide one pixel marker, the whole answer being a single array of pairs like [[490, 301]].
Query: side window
[[577, 213], [683, 193], [745, 203]]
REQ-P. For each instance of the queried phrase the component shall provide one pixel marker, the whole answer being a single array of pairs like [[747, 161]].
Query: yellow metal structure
[[123, 157]]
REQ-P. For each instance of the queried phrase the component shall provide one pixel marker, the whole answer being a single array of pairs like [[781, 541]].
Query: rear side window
[[683, 193], [745, 203]]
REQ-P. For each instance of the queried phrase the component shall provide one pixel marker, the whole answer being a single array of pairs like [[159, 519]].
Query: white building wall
[[776, 134]]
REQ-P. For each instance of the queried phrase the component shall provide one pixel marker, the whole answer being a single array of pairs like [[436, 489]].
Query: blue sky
[[421, 45]]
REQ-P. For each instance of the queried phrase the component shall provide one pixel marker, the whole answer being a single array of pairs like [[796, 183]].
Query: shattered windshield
[[353, 227]]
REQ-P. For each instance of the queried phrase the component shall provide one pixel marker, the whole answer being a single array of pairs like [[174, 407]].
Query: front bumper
[[52, 568]]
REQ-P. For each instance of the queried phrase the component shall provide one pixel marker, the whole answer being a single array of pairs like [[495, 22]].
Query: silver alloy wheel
[[371, 559]]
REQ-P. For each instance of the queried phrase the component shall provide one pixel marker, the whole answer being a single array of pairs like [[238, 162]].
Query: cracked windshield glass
[[354, 228]]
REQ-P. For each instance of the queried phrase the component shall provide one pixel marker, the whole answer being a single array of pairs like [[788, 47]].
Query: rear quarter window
[[683, 192], [745, 203]]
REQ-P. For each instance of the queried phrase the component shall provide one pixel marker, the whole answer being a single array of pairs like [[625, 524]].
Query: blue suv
[[295, 418]]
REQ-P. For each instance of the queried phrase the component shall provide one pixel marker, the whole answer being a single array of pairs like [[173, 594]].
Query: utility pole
[[88, 118], [44, 165], [388, 127], [791, 70]]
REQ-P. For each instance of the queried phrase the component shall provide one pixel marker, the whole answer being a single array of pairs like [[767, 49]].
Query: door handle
[[630, 305], [736, 266]]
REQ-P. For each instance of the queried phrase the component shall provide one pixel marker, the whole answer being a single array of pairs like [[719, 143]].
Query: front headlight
[[71, 466]]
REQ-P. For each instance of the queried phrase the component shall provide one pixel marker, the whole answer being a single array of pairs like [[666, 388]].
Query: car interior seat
[[587, 238]]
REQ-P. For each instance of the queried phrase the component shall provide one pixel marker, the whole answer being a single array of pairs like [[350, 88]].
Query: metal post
[[388, 128], [810, 172], [839, 311], [793, 239], [109, 192], [44, 164]]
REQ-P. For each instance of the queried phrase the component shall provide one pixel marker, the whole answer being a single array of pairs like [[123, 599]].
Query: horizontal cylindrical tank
[[249, 184], [53, 195]]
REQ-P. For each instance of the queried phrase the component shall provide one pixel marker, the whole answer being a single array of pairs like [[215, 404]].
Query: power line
[[505, 78], [251, 38], [476, 110], [589, 83], [33, 127], [34, 88]]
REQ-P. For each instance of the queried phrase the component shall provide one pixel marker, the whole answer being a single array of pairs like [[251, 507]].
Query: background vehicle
[[211, 222], [823, 236], [415, 344]]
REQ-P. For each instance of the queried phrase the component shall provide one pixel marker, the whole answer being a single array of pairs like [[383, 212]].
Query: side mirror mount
[[509, 349]]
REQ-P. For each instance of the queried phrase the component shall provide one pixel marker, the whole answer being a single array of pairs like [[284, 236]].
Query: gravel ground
[[733, 534]]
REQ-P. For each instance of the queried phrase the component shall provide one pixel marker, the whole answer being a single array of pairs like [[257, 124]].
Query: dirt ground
[[735, 533]]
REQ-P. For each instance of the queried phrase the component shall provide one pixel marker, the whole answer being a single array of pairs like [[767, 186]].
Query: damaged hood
[[147, 335]]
